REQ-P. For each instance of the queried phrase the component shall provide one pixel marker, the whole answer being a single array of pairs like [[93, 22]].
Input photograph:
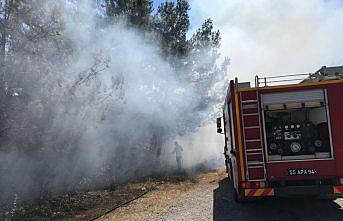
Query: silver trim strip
[[329, 122], [287, 161], [257, 180]]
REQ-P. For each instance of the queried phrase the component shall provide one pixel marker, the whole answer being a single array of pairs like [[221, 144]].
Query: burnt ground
[[78, 206], [206, 197], [84, 205]]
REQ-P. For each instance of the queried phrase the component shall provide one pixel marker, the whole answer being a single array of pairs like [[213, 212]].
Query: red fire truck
[[285, 140]]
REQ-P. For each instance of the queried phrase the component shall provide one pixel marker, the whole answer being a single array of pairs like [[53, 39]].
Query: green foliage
[[173, 25], [7, 8], [203, 49], [171, 22], [138, 12], [206, 37]]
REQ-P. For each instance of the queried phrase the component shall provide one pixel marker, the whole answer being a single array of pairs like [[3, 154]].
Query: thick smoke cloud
[[271, 37], [103, 104]]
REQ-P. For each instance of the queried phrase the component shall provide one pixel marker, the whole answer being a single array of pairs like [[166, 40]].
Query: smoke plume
[[269, 37], [95, 104]]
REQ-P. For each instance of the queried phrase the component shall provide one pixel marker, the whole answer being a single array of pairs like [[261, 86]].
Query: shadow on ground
[[278, 209]]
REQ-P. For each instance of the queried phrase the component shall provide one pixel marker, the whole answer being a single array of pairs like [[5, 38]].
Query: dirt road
[[209, 198]]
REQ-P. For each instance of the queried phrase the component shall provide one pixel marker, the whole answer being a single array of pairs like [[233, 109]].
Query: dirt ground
[[89, 205], [205, 197], [188, 200], [210, 198]]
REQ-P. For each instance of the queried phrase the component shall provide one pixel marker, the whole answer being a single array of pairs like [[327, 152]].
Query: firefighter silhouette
[[178, 154]]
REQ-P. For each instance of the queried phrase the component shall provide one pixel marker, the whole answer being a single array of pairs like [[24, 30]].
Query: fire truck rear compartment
[[298, 127]]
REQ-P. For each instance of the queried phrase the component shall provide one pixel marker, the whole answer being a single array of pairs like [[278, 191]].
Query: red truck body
[[284, 140]]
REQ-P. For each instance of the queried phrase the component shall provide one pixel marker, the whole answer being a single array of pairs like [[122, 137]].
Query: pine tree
[[203, 50], [206, 36], [202, 64], [173, 24], [138, 12], [7, 9], [117, 7]]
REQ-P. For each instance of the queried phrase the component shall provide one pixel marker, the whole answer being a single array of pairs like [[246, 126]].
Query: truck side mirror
[[219, 125]]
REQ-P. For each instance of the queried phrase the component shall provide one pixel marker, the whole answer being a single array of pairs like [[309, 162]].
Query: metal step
[[255, 163], [253, 154], [252, 127], [249, 101], [255, 167], [253, 150], [251, 114], [256, 140]]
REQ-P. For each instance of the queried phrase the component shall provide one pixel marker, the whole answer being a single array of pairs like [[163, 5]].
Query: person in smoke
[[178, 155]]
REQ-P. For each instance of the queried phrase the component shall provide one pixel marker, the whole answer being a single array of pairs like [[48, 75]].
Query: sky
[[269, 37]]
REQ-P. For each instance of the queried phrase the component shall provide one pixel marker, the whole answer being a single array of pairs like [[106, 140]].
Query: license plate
[[301, 172]]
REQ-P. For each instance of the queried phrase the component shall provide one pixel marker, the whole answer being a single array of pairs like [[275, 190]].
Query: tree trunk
[[3, 46]]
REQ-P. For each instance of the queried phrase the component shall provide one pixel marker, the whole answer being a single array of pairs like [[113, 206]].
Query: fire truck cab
[[285, 140]]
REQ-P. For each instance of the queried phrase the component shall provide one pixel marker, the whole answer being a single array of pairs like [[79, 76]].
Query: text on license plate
[[300, 172]]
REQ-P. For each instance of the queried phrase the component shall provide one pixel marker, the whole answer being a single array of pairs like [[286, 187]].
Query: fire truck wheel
[[231, 174], [227, 165], [239, 198]]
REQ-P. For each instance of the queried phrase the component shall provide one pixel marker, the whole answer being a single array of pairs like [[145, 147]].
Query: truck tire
[[239, 198], [231, 175], [227, 165]]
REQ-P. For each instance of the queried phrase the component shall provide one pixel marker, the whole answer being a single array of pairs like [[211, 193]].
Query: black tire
[[231, 174], [226, 165], [239, 198]]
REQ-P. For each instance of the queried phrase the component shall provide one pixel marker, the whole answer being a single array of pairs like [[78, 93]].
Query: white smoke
[[269, 37], [101, 108]]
